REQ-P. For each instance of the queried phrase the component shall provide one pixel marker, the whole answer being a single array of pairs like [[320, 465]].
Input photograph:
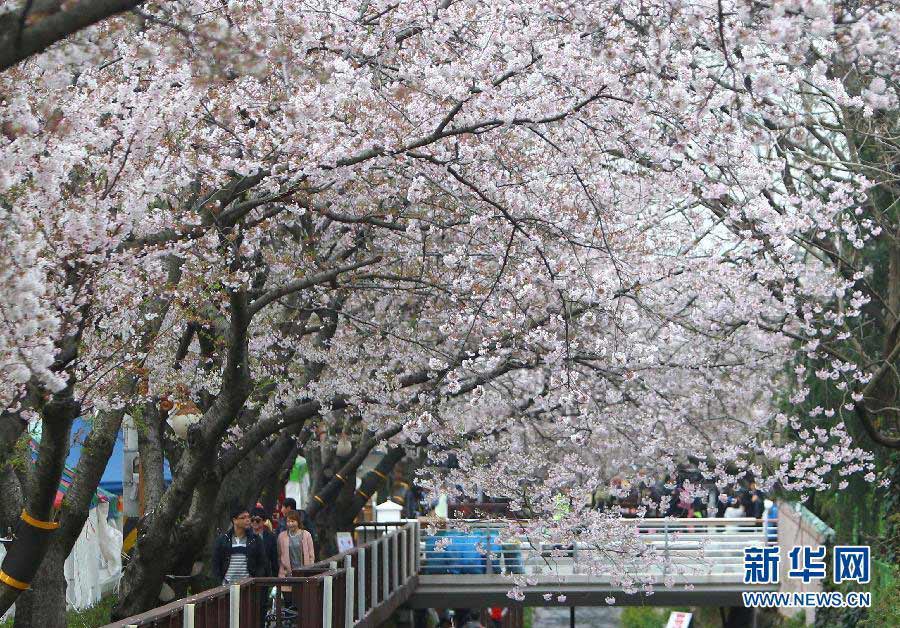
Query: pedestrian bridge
[[475, 565]]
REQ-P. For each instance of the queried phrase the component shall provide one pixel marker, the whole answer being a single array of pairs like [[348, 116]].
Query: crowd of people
[[669, 498], [255, 547]]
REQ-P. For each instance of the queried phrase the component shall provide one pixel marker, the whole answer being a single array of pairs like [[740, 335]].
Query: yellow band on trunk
[[37, 523], [10, 581]]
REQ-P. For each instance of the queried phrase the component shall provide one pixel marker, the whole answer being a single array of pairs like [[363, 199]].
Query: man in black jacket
[[269, 542], [238, 553]]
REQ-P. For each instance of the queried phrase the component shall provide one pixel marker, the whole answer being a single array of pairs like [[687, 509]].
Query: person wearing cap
[[269, 542], [238, 553]]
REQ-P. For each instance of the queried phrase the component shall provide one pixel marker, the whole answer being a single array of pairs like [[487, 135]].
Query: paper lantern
[[186, 414], [344, 447]]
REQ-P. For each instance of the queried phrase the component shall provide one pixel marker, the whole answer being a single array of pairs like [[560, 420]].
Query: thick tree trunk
[[12, 426], [272, 488], [150, 448], [44, 605], [57, 417], [95, 453], [327, 526], [143, 578], [11, 499]]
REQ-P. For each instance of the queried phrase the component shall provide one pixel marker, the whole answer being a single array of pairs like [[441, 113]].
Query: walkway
[[403, 564]]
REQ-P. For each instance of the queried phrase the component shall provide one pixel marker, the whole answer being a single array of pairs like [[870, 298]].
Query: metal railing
[[360, 587], [702, 549], [364, 585]]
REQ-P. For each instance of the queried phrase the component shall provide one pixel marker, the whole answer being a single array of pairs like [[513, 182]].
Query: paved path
[[585, 617]]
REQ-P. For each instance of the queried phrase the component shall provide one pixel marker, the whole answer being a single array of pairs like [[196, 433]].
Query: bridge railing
[[360, 587], [689, 548]]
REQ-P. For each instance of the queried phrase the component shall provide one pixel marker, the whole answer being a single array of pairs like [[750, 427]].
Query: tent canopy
[[112, 475], [111, 481]]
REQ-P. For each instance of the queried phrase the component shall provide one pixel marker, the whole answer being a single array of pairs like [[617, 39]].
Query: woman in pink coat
[[295, 546]]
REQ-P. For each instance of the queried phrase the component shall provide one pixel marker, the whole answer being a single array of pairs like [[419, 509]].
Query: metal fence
[[360, 587], [701, 549]]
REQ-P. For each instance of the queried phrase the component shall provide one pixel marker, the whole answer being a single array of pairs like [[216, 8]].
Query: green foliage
[[92, 617], [644, 617], [528, 618], [798, 620], [885, 611]]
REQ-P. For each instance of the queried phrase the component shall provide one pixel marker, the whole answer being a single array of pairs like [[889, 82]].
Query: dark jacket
[[256, 559], [270, 551]]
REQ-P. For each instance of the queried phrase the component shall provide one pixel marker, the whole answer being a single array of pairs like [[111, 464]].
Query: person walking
[[288, 505], [269, 541], [295, 546], [261, 528], [755, 506], [771, 522], [238, 553], [734, 511]]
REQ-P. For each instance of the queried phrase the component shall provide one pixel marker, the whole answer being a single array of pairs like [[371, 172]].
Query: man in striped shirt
[[238, 553]]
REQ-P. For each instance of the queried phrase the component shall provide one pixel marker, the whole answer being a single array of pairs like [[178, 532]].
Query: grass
[[644, 617], [93, 617]]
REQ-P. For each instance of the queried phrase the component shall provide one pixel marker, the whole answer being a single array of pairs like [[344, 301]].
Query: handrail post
[[361, 593], [188, 616], [411, 551], [395, 564], [327, 602], [349, 598], [234, 614], [375, 567], [385, 577], [666, 547], [417, 565], [404, 549]]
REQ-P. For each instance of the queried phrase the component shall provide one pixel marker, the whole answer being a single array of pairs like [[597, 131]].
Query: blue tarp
[[464, 554], [112, 476]]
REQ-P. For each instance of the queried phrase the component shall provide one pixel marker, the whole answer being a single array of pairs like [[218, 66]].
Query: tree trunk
[[143, 578], [55, 24], [57, 417], [45, 603], [326, 528], [75, 509], [150, 448]]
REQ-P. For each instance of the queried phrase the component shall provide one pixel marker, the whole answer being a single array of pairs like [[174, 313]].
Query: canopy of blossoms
[[565, 241]]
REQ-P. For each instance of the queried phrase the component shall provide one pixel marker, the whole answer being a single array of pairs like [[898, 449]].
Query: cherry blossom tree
[[598, 229]]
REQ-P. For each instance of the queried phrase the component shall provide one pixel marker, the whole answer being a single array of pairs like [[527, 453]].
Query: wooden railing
[[360, 588]]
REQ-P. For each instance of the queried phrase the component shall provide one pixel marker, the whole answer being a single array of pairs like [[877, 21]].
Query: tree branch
[[20, 40]]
